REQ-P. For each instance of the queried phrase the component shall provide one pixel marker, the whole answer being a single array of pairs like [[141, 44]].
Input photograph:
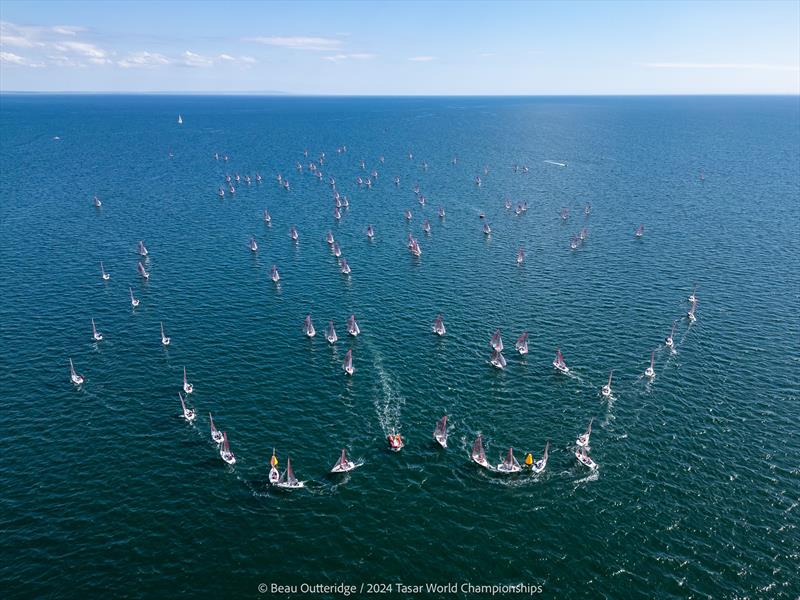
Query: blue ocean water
[[105, 491]]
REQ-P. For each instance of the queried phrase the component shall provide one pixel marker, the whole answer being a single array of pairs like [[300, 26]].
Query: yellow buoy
[[529, 459]]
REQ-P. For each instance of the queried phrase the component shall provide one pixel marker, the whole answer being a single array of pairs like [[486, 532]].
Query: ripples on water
[[697, 490]]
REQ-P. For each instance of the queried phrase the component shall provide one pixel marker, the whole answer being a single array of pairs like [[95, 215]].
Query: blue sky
[[596, 47]]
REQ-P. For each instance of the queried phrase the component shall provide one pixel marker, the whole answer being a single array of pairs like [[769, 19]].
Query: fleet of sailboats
[[477, 454]]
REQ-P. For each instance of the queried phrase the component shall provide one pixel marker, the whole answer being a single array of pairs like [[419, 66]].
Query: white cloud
[[82, 48], [191, 59], [298, 42], [67, 29], [422, 58], [143, 60], [355, 56], [14, 59], [734, 66]]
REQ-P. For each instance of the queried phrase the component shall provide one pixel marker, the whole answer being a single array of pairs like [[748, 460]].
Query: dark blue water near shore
[[105, 491]]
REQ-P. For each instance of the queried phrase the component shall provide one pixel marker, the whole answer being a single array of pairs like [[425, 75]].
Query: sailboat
[[347, 365], [142, 272], [216, 434], [267, 217], [274, 474], [330, 333], [564, 214], [329, 238], [509, 464], [103, 273], [670, 342], [142, 250], [583, 439], [649, 372], [187, 387], [441, 212], [180, 120], [97, 203], [221, 192], [308, 327], [426, 226], [438, 326], [253, 245], [440, 432], [408, 215], [337, 251], [690, 314], [74, 377], [477, 454], [337, 214], [522, 344], [164, 339], [486, 229], [497, 359], [395, 442], [415, 249], [188, 413], [352, 326], [539, 465], [606, 390], [559, 363], [343, 465], [639, 231], [225, 450], [370, 232], [96, 335], [520, 256], [582, 454], [693, 297], [274, 274], [288, 481], [293, 233], [496, 342], [134, 301]]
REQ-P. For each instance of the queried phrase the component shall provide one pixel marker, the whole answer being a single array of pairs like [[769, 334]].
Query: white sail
[[253, 245], [497, 341], [343, 465], [188, 413], [438, 326], [559, 363], [583, 439], [225, 450], [96, 335], [522, 343], [142, 272], [274, 274], [352, 326], [216, 435], [497, 360], [347, 365], [187, 387], [103, 273], [134, 301], [509, 464], [539, 465], [330, 333], [440, 432], [308, 327], [74, 376], [478, 454]]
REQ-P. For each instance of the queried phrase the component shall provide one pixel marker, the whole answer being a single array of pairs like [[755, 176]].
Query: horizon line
[[377, 95]]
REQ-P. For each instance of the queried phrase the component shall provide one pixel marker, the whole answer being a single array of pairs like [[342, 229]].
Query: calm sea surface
[[105, 491]]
